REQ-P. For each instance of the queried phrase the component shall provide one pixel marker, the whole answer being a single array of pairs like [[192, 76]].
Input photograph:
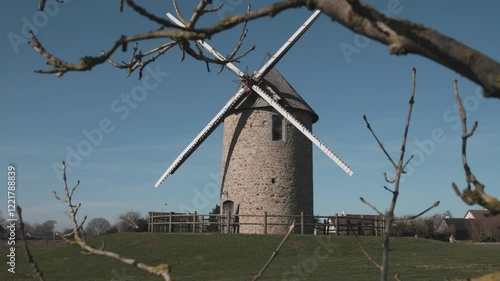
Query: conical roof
[[289, 98]]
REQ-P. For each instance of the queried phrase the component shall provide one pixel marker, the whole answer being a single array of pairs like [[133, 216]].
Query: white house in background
[[474, 220], [476, 214]]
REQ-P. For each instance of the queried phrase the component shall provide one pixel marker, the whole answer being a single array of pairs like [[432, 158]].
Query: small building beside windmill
[[267, 163]]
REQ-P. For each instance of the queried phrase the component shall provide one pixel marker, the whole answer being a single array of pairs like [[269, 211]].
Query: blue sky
[[45, 118]]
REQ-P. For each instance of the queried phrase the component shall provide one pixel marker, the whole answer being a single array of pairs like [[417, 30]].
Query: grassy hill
[[239, 257]]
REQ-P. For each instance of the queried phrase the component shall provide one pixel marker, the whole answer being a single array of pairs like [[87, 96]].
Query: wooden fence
[[323, 225]]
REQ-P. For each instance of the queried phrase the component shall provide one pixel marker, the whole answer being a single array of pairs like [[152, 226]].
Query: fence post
[[194, 222], [337, 224], [302, 223], [379, 224], [220, 227], [149, 222], [170, 222], [265, 222], [228, 223], [362, 225], [380, 227]]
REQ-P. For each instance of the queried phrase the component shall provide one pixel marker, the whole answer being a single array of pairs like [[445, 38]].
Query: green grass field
[[240, 257]]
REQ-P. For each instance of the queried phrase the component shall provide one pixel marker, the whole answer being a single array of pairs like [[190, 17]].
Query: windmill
[[267, 151]]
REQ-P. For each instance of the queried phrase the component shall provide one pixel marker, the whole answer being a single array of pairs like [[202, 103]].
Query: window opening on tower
[[277, 128]]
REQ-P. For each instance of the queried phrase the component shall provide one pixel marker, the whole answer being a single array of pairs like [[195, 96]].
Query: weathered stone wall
[[261, 175]]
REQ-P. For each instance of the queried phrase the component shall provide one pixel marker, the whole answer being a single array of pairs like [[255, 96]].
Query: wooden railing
[[200, 223]]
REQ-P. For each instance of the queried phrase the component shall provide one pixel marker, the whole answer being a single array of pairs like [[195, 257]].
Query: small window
[[277, 128]]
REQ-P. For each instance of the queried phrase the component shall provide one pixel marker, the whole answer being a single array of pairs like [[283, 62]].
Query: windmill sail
[[288, 116], [233, 102], [198, 140], [288, 44], [214, 123]]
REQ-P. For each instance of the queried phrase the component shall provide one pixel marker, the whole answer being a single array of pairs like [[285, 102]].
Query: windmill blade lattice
[[198, 140], [288, 44], [288, 116]]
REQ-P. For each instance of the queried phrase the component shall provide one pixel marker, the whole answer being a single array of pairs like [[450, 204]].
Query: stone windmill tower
[[267, 151], [266, 161]]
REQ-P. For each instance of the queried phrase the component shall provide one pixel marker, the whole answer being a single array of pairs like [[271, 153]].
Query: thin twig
[[136, 60], [388, 189], [424, 211], [407, 162], [178, 12], [387, 178], [143, 12], [162, 270], [275, 253], [198, 12], [132, 57], [371, 206], [378, 141], [36, 270], [408, 120], [243, 34]]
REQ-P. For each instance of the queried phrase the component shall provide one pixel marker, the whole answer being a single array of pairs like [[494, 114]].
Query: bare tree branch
[[36, 270], [404, 37], [143, 12], [470, 195], [78, 238], [41, 5], [389, 215], [378, 141], [275, 253], [199, 11], [136, 60], [407, 162], [60, 67], [424, 211], [401, 36], [179, 34], [178, 12], [387, 178], [243, 34], [371, 206], [388, 189]]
